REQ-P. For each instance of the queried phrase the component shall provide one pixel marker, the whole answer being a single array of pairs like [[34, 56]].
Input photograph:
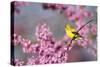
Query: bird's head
[[67, 26]]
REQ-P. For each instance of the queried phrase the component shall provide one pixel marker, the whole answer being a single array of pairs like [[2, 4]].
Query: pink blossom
[[93, 28], [17, 62], [48, 50], [76, 13]]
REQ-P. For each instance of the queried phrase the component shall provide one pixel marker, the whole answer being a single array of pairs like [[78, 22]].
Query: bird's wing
[[75, 33]]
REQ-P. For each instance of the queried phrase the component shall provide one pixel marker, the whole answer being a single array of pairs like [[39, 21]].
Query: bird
[[71, 32]]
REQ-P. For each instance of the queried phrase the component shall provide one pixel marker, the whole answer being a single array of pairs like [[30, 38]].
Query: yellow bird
[[71, 32]]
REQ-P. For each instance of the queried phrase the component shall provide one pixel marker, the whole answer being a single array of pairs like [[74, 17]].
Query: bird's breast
[[69, 34]]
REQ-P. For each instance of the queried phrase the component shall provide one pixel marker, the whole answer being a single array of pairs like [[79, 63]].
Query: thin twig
[[84, 25]]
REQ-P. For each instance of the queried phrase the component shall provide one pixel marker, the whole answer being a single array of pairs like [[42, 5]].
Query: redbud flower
[[18, 62], [47, 49]]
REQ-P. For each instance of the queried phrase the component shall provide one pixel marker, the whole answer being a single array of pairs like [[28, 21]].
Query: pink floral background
[[39, 36]]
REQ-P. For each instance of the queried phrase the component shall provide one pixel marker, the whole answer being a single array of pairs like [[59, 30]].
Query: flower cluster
[[72, 12], [43, 33], [88, 33], [77, 13], [17, 62], [47, 49]]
